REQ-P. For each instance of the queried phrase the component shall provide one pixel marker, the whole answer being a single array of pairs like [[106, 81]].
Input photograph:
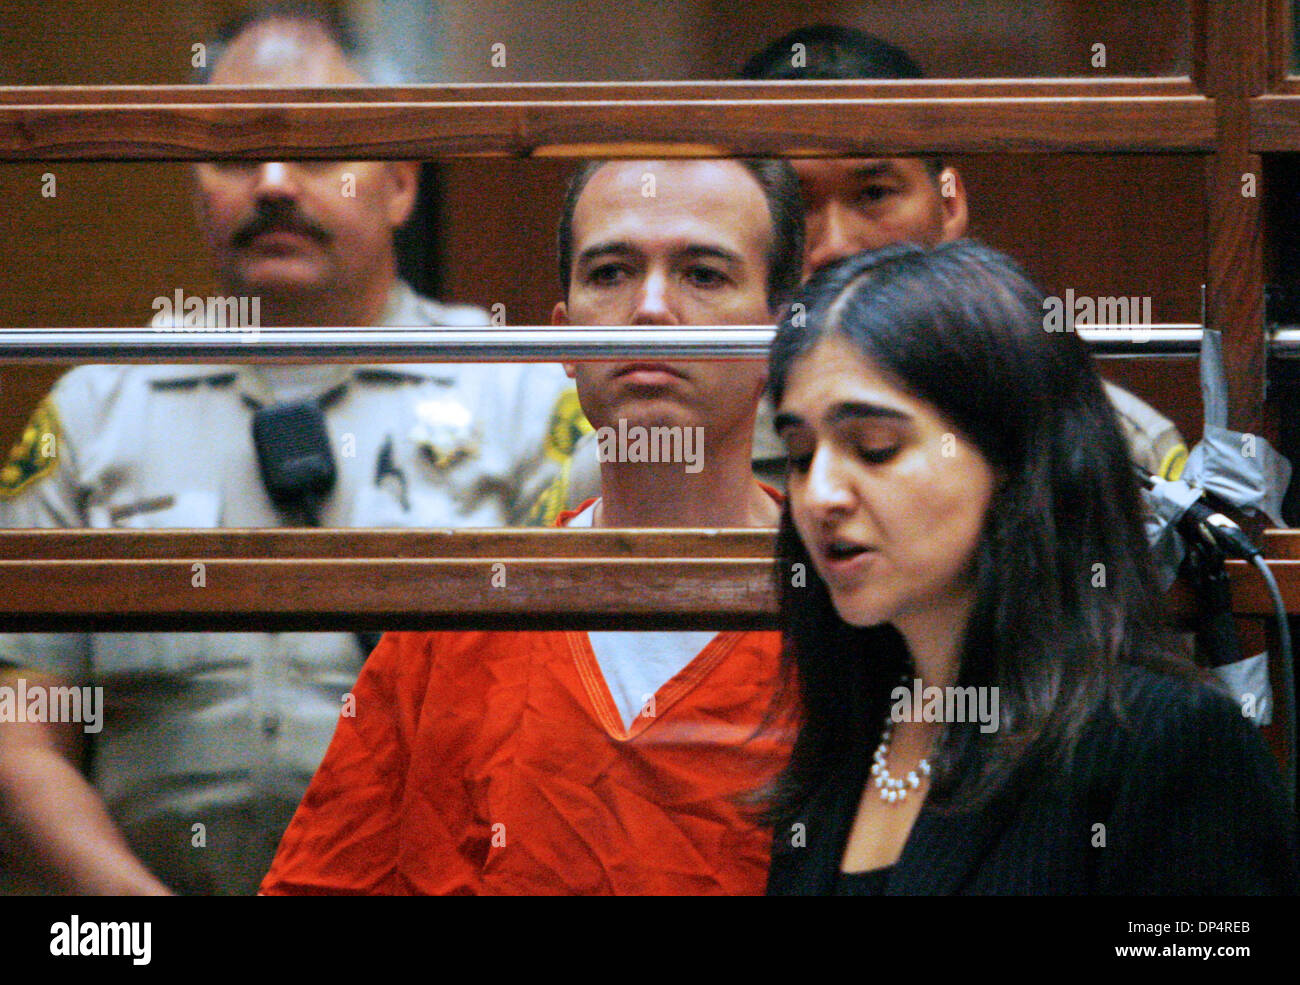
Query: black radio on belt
[[294, 454], [297, 463]]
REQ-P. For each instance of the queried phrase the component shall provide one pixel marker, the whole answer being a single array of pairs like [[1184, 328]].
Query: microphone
[[1218, 530], [1202, 521]]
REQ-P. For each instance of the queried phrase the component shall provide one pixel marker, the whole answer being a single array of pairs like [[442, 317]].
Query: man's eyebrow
[[693, 251], [874, 169], [700, 250], [615, 246], [845, 410]]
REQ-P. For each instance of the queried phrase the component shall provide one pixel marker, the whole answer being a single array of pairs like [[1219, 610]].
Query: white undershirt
[[636, 665]]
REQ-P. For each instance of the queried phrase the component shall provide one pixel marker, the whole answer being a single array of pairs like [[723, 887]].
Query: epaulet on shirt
[[36, 454], [164, 376], [187, 377], [404, 373]]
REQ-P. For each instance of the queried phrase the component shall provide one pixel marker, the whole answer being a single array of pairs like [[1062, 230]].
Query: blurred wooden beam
[[282, 580], [378, 544], [491, 92], [709, 120]]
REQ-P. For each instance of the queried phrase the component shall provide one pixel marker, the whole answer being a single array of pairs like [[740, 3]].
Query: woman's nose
[[827, 488]]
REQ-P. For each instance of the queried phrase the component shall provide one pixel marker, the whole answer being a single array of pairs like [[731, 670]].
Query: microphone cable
[[1220, 532]]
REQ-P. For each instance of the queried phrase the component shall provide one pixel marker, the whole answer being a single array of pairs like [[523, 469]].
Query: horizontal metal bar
[[365, 345], [1284, 343], [488, 344], [1129, 340]]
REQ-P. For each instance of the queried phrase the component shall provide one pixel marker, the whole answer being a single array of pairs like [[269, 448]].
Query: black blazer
[[1187, 798]]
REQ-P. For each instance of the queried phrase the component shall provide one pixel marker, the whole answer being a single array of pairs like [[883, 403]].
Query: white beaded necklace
[[893, 790]]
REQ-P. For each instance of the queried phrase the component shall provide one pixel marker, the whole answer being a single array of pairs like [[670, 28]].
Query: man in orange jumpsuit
[[573, 762]]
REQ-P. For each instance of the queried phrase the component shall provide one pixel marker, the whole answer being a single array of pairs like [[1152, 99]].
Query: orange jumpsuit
[[496, 762]]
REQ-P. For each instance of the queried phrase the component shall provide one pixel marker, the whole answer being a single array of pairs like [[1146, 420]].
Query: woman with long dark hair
[[989, 700]]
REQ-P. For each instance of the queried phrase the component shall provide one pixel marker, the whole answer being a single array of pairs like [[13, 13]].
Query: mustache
[[278, 219]]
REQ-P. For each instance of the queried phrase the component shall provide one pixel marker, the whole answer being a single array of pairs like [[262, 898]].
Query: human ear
[[559, 318], [404, 186], [952, 200]]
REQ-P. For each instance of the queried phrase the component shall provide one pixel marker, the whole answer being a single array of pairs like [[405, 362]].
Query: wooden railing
[[1238, 103], [281, 580]]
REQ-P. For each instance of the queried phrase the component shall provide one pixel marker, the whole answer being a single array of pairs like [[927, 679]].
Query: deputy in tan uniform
[[863, 204], [209, 740], [170, 446]]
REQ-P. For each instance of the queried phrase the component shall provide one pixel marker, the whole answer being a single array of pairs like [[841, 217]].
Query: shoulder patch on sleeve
[[551, 503], [35, 455], [567, 425]]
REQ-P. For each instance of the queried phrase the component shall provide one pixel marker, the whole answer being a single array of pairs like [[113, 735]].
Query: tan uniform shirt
[[210, 739]]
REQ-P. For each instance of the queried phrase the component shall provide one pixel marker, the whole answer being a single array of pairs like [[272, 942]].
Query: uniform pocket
[[143, 656], [190, 509]]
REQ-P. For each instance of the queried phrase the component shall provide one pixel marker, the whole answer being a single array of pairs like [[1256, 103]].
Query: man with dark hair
[[209, 740], [856, 204], [579, 478], [784, 206], [862, 204], [827, 51], [574, 762]]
